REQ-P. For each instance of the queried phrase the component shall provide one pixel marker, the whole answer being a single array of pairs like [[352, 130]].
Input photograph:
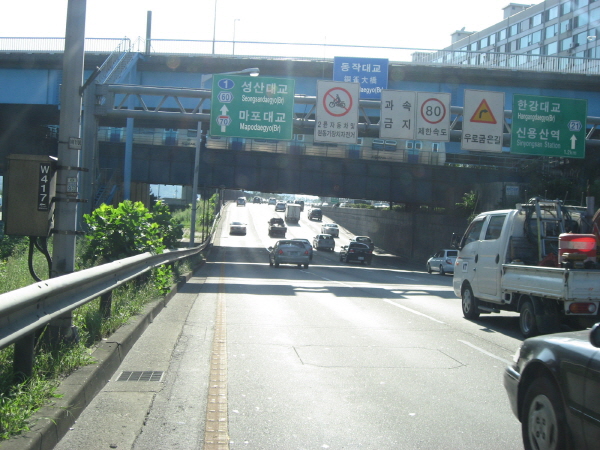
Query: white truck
[[292, 213], [510, 260]]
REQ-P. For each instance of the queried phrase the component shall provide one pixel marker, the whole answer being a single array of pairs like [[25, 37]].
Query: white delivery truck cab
[[511, 260]]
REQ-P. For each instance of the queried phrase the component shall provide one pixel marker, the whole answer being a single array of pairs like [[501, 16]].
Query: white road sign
[[337, 112], [433, 116], [397, 117], [483, 121]]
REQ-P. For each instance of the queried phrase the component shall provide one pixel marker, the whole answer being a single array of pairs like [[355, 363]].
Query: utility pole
[[69, 148]]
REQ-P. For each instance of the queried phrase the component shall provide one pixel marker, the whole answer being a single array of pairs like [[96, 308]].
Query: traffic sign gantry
[[548, 126], [257, 108]]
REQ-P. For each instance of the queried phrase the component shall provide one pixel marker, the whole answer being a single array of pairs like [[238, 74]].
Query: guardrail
[[25, 310]]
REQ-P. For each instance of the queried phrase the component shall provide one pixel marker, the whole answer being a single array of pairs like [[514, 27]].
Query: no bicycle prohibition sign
[[337, 101]]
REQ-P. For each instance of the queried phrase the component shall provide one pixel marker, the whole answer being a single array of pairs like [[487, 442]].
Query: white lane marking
[[406, 278], [485, 352], [411, 310]]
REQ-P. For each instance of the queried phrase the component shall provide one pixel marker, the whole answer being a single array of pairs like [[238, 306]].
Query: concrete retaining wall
[[414, 236]]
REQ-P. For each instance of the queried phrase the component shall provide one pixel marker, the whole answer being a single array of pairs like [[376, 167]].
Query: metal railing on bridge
[[316, 52]]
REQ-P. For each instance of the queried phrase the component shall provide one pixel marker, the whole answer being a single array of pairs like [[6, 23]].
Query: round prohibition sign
[[433, 111], [337, 97]]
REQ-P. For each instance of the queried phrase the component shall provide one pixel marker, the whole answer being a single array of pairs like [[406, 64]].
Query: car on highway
[[364, 240], [257, 200], [315, 213], [442, 261], [280, 206], [324, 242], [307, 245], [241, 201], [330, 228], [237, 228], [272, 201], [289, 252], [355, 251], [554, 390]]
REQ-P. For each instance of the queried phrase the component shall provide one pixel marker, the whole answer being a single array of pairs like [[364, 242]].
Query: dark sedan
[[355, 251], [554, 390]]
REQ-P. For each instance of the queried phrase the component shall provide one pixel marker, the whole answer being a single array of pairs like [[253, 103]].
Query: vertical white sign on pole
[[337, 112], [397, 117], [433, 116], [483, 121]]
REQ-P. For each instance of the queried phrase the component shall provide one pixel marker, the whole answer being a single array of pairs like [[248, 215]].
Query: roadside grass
[[19, 401]]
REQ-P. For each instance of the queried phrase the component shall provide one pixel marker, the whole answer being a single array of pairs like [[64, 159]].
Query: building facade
[[554, 28]]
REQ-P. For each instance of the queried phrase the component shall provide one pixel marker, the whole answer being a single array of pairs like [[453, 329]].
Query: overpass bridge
[[166, 96]]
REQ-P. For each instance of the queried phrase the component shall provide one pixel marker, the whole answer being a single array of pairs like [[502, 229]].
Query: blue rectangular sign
[[370, 73]]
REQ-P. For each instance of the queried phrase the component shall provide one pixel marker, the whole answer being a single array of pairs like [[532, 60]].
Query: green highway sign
[[252, 107], [548, 126]]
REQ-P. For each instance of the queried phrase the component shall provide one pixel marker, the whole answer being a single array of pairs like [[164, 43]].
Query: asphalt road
[[336, 356]]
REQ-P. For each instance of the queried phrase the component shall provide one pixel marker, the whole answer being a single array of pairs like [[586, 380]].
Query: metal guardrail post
[[23, 357], [106, 305]]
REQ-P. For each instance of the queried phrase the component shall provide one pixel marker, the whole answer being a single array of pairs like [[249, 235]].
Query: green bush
[[129, 229]]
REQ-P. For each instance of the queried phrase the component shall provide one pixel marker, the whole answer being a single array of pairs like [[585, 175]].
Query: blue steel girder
[[185, 106]]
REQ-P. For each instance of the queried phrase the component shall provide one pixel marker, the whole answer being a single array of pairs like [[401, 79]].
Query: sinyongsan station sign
[[548, 126]]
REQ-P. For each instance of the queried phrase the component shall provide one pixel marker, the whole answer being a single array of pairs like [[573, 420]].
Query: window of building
[[536, 20], [551, 31], [525, 41], [565, 8], [525, 24], [418, 145], [410, 145], [552, 13], [484, 42], [581, 20], [551, 48], [514, 29], [581, 38], [566, 44], [565, 26], [435, 147], [492, 39], [580, 3], [595, 16], [502, 34], [473, 47], [513, 46]]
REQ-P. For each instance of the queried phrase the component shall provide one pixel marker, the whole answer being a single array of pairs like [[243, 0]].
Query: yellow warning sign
[[483, 113]]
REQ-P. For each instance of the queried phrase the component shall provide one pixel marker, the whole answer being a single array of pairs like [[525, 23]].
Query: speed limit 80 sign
[[433, 116]]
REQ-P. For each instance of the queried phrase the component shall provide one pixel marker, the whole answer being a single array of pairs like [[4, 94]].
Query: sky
[[422, 24]]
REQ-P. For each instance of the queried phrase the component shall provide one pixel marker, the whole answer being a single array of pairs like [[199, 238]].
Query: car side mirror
[[270, 249], [595, 335]]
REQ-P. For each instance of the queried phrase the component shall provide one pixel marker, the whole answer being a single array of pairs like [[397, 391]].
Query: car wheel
[[306, 266], [299, 266], [469, 304], [276, 264], [442, 271], [341, 258], [270, 262], [543, 424], [527, 321], [428, 268]]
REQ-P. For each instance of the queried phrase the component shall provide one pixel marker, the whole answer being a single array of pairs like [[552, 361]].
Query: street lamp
[[253, 72], [234, 21], [214, 28]]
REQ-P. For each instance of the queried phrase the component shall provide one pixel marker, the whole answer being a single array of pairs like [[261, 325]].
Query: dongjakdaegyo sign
[[370, 73]]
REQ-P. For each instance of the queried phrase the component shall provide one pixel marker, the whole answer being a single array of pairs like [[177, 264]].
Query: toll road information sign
[[337, 112], [548, 126], [248, 107], [433, 116], [483, 121]]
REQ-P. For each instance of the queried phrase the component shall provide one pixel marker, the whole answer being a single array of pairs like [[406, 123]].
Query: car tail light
[[351, 250], [281, 252], [582, 308], [306, 252], [449, 261]]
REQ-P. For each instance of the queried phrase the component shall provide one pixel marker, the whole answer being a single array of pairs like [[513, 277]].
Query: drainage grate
[[147, 375]]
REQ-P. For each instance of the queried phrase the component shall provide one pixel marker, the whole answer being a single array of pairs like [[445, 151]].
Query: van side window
[[494, 227], [473, 232]]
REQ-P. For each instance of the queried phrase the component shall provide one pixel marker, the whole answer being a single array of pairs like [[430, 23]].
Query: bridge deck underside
[[301, 174]]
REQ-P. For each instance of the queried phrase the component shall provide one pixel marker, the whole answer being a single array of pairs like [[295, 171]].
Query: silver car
[[442, 262], [330, 228], [289, 252], [324, 241]]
